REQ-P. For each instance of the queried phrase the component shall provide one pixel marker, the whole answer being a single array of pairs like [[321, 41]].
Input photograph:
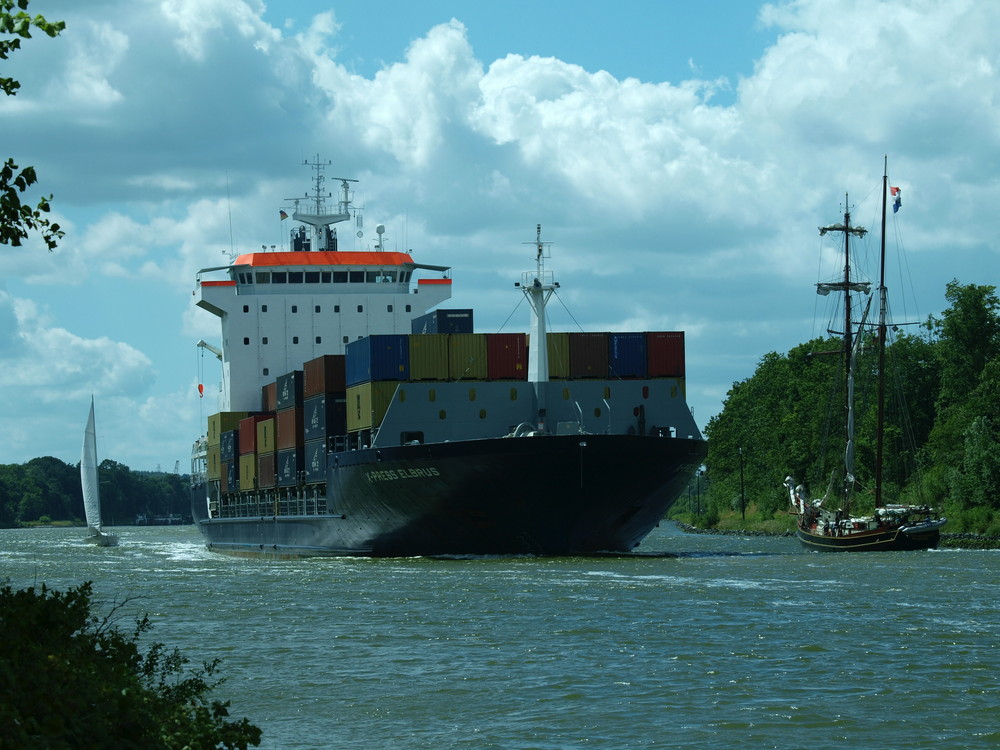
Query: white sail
[[89, 483]]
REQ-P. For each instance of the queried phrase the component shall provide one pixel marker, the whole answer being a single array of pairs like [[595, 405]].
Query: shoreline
[[962, 540]]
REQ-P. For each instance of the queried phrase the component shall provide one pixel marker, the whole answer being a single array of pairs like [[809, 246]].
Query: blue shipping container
[[443, 321], [627, 355], [381, 357]]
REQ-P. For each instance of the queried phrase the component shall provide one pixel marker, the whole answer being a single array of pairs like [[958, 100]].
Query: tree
[[71, 679], [18, 219]]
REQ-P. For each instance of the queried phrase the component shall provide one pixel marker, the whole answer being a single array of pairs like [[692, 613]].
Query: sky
[[679, 157]]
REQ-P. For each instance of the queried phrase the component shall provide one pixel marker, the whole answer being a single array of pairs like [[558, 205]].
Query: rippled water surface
[[727, 641]]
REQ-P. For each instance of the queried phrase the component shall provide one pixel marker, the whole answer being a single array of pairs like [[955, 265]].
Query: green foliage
[[69, 679], [17, 219], [48, 487], [942, 426]]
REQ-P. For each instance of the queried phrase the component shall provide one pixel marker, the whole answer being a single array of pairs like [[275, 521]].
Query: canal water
[[701, 642]]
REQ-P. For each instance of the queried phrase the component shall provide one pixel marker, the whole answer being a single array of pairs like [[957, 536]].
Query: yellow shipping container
[[248, 471], [558, 346], [467, 356], [367, 403], [265, 436], [429, 356], [214, 462], [224, 421]]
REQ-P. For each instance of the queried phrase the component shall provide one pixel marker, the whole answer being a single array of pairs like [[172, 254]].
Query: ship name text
[[393, 474]]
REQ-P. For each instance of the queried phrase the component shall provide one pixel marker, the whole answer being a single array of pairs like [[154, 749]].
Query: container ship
[[359, 417]]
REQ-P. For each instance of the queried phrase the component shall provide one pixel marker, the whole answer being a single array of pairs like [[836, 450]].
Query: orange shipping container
[[588, 355], [288, 428], [507, 356], [326, 374], [248, 432]]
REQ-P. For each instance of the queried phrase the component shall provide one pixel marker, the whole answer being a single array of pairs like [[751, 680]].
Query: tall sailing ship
[[892, 526], [356, 419]]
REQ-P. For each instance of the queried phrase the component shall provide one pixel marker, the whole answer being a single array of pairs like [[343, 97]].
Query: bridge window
[[263, 277], [312, 277], [357, 277], [295, 277], [279, 277], [340, 277]]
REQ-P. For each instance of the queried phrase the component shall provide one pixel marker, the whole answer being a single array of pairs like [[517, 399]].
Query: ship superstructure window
[[312, 277], [357, 277], [246, 341], [295, 308], [264, 340], [372, 277], [408, 309], [263, 277], [246, 308], [325, 277], [319, 339], [265, 372], [317, 308], [263, 308], [279, 277], [361, 308], [336, 308], [388, 308], [295, 339], [340, 277], [346, 339], [295, 277]]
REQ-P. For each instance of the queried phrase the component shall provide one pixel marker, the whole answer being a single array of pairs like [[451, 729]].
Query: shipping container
[[627, 355], [229, 444], [288, 428], [248, 432], [381, 357], [266, 470], [289, 390], [213, 470], [665, 354], [248, 471], [266, 442], [326, 374], [223, 422], [428, 356], [367, 403], [588, 355], [507, 356], [269, 397], [467, 356], [315, 461], [558, 351], [443, 321], [290, 464], [230, 480], [324, 416]]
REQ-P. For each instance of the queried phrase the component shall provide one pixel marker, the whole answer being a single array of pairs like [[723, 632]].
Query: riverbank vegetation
[[46, 491], [942, 427]]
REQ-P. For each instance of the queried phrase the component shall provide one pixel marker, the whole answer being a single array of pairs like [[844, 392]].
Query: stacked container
[[324, 411], [288, 428], [219, 424]]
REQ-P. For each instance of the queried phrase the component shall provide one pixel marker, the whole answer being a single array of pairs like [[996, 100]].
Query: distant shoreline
[[950, 541]]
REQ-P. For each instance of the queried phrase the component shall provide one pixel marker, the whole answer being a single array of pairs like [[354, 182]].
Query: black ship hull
[[890, 540], [543, 495]]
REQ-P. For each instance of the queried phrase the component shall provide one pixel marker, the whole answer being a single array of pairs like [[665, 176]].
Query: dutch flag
[[897, 195]]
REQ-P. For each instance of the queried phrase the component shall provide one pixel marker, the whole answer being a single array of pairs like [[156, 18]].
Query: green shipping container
[[467, 356]]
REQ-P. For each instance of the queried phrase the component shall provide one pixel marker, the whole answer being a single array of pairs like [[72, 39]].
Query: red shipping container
[[588, 355], [269, 397], [248, 432], [266, 470], [506, 356], [665, 354], [326, 374], [288, 428]]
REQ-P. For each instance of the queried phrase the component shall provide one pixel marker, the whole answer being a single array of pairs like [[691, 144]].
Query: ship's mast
[[538, 287], [882, 298], [319, 219], [850, 350]]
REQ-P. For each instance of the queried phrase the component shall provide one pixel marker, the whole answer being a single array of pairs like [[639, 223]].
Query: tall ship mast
[[357, 417]]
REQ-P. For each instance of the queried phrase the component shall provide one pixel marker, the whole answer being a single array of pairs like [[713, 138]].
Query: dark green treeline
[[942, 417], [48, 490]]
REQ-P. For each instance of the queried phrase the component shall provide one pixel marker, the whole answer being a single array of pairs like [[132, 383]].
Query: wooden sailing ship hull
[[888, 540]]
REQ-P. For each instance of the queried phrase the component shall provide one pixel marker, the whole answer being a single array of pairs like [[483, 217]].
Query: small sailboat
[[890, 527], [91, 489]]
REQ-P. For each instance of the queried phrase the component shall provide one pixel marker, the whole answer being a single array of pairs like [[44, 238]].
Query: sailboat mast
[[880, 425]]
